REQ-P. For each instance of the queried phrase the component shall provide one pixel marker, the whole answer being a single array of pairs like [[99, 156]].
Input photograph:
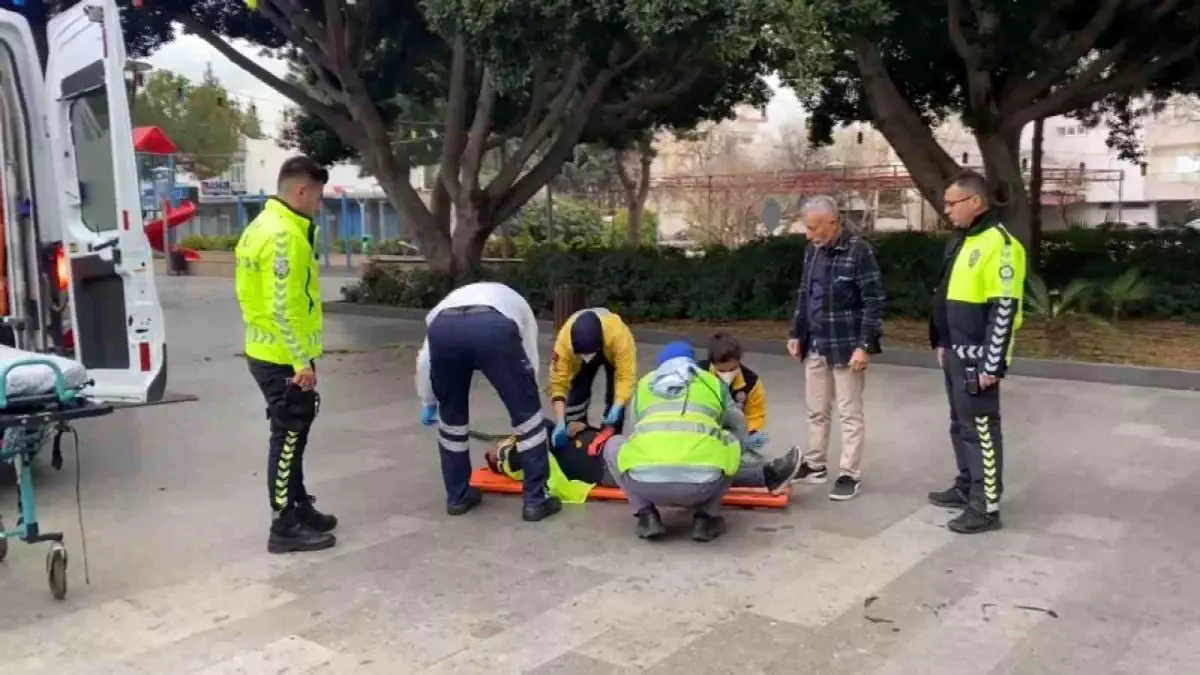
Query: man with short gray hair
[[837, 326]]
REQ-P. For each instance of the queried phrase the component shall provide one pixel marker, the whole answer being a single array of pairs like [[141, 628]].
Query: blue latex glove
[[614, 414], [560, 434], [429, 415], [756, 440]]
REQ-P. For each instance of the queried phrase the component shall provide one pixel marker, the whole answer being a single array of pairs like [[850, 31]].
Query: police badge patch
[[974, 258], [281, 267]]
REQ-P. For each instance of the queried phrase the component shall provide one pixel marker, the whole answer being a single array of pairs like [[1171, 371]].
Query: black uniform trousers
[[291, 412], [579, 396], [463, 340], [976, 436]]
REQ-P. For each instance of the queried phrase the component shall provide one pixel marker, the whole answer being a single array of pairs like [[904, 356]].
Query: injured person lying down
[[579, 464]]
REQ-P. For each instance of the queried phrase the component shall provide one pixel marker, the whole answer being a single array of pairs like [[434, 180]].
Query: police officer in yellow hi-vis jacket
[[278, 289], [977, 310], [591, 339]]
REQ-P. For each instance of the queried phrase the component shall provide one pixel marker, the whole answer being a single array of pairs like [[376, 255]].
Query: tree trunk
[[636, 188], [1033, 256], [1002, 165], [472, 225], [928, 164]]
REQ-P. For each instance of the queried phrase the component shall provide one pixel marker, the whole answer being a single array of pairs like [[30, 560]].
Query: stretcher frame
[[485, 480], [25, 421]]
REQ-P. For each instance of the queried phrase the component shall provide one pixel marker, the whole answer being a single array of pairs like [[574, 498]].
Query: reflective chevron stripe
[[991, 477], [284, 470]]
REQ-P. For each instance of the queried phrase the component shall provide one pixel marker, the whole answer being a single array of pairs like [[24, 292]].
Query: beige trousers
[[822, 384]]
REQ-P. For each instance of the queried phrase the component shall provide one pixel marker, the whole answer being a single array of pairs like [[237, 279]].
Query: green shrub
[[760, 280], [216, 242]]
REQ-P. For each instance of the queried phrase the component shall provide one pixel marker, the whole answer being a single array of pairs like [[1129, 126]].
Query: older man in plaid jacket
[[837, 326]]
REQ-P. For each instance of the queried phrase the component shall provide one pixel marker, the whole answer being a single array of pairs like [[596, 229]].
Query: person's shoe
[[953, 498], [809, 474], [532, 514], [845, 488], [779, 472], [290, 535], [650, 525], [707, 528], [474, 498], [971, 521], [310, 516]]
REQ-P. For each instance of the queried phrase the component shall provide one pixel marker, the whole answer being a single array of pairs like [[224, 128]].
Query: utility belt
[[469, 309]]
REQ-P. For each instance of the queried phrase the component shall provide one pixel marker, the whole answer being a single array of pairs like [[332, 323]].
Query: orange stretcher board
[[485, 480]]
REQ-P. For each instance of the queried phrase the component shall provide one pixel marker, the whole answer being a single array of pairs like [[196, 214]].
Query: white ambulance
[[77, 264]]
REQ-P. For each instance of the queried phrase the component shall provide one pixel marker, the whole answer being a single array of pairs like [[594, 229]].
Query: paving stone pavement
[[1093, 573]]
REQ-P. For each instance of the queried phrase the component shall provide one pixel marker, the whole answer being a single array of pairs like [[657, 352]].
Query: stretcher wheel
[[56, 570], [3, 542]]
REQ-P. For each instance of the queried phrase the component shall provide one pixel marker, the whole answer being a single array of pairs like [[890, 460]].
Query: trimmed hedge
[[759, 280]]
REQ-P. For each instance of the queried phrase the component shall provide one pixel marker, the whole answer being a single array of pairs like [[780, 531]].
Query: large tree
[[524, 80], [203, 121], [906, 65]]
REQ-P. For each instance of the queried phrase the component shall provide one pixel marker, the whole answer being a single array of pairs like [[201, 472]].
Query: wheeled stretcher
[[39, 398]]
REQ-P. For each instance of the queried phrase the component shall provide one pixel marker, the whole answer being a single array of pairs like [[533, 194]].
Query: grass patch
[[1160, 344]]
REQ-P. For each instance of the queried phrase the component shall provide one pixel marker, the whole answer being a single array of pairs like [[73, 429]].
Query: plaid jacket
[[852, 306]]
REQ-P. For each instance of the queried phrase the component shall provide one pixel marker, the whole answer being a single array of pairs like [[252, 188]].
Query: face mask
[[727, 376], [587, 358]]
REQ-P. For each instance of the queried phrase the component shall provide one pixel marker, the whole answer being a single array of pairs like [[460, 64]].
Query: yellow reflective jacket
[[278, 287], [568, 490], [684, 431], [985, 290], [619, 350]]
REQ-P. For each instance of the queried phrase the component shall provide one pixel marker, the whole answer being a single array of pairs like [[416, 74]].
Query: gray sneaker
[[845, 488], [779, 472], [810, 474]]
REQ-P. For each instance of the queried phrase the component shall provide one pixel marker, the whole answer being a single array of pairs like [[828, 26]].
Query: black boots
[[650, 525], [954, 498], [706, 527], [471, 499], [973, 521], [310, 516], [534, 513], [289, 534]]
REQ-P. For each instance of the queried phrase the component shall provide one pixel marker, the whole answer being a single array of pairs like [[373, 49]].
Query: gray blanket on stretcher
[[34, 380]]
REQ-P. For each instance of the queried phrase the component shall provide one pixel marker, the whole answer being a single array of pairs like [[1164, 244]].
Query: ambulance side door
[[114, 307]]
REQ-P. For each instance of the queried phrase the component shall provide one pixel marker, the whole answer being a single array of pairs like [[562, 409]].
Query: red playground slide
[[156, 233]]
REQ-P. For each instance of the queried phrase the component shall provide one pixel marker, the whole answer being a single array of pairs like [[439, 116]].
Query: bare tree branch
[[452, 138], [478, 136], [532, 141], [1083, 90], [1024, 91], [337, 119], [968, 52]]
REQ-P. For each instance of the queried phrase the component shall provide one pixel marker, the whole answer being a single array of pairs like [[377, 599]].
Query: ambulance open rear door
[[114, 312]]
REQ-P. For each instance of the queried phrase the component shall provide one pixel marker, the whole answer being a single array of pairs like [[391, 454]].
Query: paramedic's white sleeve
[[424, 384], [529, 338]]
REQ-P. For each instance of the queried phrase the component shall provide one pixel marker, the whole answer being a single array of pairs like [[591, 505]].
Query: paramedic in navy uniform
[[486, 327]]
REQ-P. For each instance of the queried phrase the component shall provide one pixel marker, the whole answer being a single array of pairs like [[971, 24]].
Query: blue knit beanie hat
[[587, 334], [674, 350]]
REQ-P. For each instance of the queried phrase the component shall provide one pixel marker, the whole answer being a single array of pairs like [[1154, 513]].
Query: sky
[[188, 55]]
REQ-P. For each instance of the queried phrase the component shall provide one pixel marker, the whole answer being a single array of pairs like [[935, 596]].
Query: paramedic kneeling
[[591, 339], [681, 451], [487, 327], [280, 296]]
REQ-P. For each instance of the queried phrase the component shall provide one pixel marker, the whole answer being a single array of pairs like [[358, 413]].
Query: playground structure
[[162, 204]]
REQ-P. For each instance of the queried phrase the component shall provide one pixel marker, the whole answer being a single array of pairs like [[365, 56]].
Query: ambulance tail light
[[62, 271]]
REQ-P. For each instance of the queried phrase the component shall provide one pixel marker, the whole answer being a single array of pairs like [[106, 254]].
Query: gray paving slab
[[1093, 573]]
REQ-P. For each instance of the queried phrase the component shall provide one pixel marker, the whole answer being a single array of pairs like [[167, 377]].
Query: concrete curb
[[1101, 373]]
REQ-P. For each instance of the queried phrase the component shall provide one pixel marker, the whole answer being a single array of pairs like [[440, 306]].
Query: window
[[1062, 131], [1187, 164], [92, 136]]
